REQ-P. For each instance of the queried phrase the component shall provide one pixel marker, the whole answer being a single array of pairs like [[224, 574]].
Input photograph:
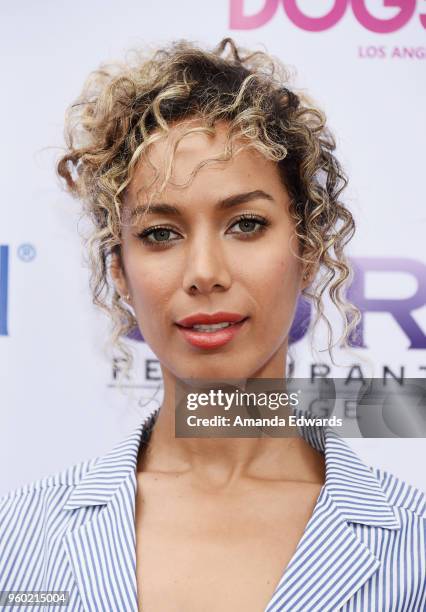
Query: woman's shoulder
[[33, 523], [33, 520], [41, 522], [57, 488], [50, 489]]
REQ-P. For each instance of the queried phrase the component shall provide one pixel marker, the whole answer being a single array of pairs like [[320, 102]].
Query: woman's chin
[[220, 372]]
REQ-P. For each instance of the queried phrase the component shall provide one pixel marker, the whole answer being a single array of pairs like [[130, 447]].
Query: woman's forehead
[[195, 158], [189, 140]]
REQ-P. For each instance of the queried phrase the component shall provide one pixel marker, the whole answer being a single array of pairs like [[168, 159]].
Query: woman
[[214, 196]]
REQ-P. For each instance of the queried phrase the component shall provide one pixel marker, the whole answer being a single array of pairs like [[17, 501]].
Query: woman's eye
[[157, 235], [250, 225]]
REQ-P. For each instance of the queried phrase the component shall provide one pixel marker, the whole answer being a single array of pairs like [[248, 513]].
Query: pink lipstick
[[211, 330]]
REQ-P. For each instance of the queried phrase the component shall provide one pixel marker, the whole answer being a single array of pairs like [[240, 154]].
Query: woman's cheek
[[275, 276]]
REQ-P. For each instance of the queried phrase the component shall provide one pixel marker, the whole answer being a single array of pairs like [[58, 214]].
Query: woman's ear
[[305, 281], [309, 275], [117, 275]]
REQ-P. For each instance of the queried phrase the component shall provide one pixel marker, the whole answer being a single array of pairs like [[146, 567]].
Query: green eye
[[157, 235], [250, 224], [247, 225], [161, 234]]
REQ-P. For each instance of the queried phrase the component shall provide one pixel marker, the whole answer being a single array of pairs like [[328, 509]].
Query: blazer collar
[[351, 484], [100, 483], [329, 566]]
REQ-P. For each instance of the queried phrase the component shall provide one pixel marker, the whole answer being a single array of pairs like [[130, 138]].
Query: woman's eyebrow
[[225, 204]]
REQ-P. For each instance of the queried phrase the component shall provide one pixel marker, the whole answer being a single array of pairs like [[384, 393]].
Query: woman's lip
[[210, 340], [201, 318]]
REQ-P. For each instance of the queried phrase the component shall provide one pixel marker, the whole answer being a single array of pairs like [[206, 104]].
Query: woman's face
[[223, 244]]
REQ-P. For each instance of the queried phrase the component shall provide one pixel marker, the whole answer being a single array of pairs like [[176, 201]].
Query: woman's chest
[[217, 553]]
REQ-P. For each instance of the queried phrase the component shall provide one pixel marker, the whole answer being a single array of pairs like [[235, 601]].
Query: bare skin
[[217, 520], [218, 541]]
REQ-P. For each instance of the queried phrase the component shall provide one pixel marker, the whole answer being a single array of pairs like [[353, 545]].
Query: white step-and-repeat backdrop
[[364, 63]]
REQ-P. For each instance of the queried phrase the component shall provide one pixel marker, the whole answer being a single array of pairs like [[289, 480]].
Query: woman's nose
[[206, 267]]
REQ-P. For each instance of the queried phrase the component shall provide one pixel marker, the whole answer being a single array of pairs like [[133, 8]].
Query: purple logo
[[240, 20], [400, 309]]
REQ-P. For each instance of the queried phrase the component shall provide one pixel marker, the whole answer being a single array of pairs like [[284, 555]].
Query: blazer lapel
[[331, 564], [101, 544]]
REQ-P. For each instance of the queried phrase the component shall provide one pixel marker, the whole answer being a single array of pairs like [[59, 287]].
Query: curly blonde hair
[[124, 107]]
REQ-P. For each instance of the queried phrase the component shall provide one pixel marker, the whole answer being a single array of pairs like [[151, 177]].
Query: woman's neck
[[221, 461]]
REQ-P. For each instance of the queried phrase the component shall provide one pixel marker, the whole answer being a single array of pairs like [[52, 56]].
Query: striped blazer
[[363, 549]]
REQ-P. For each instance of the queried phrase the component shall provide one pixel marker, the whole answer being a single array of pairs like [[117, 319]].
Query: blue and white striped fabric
[[363, 549]]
